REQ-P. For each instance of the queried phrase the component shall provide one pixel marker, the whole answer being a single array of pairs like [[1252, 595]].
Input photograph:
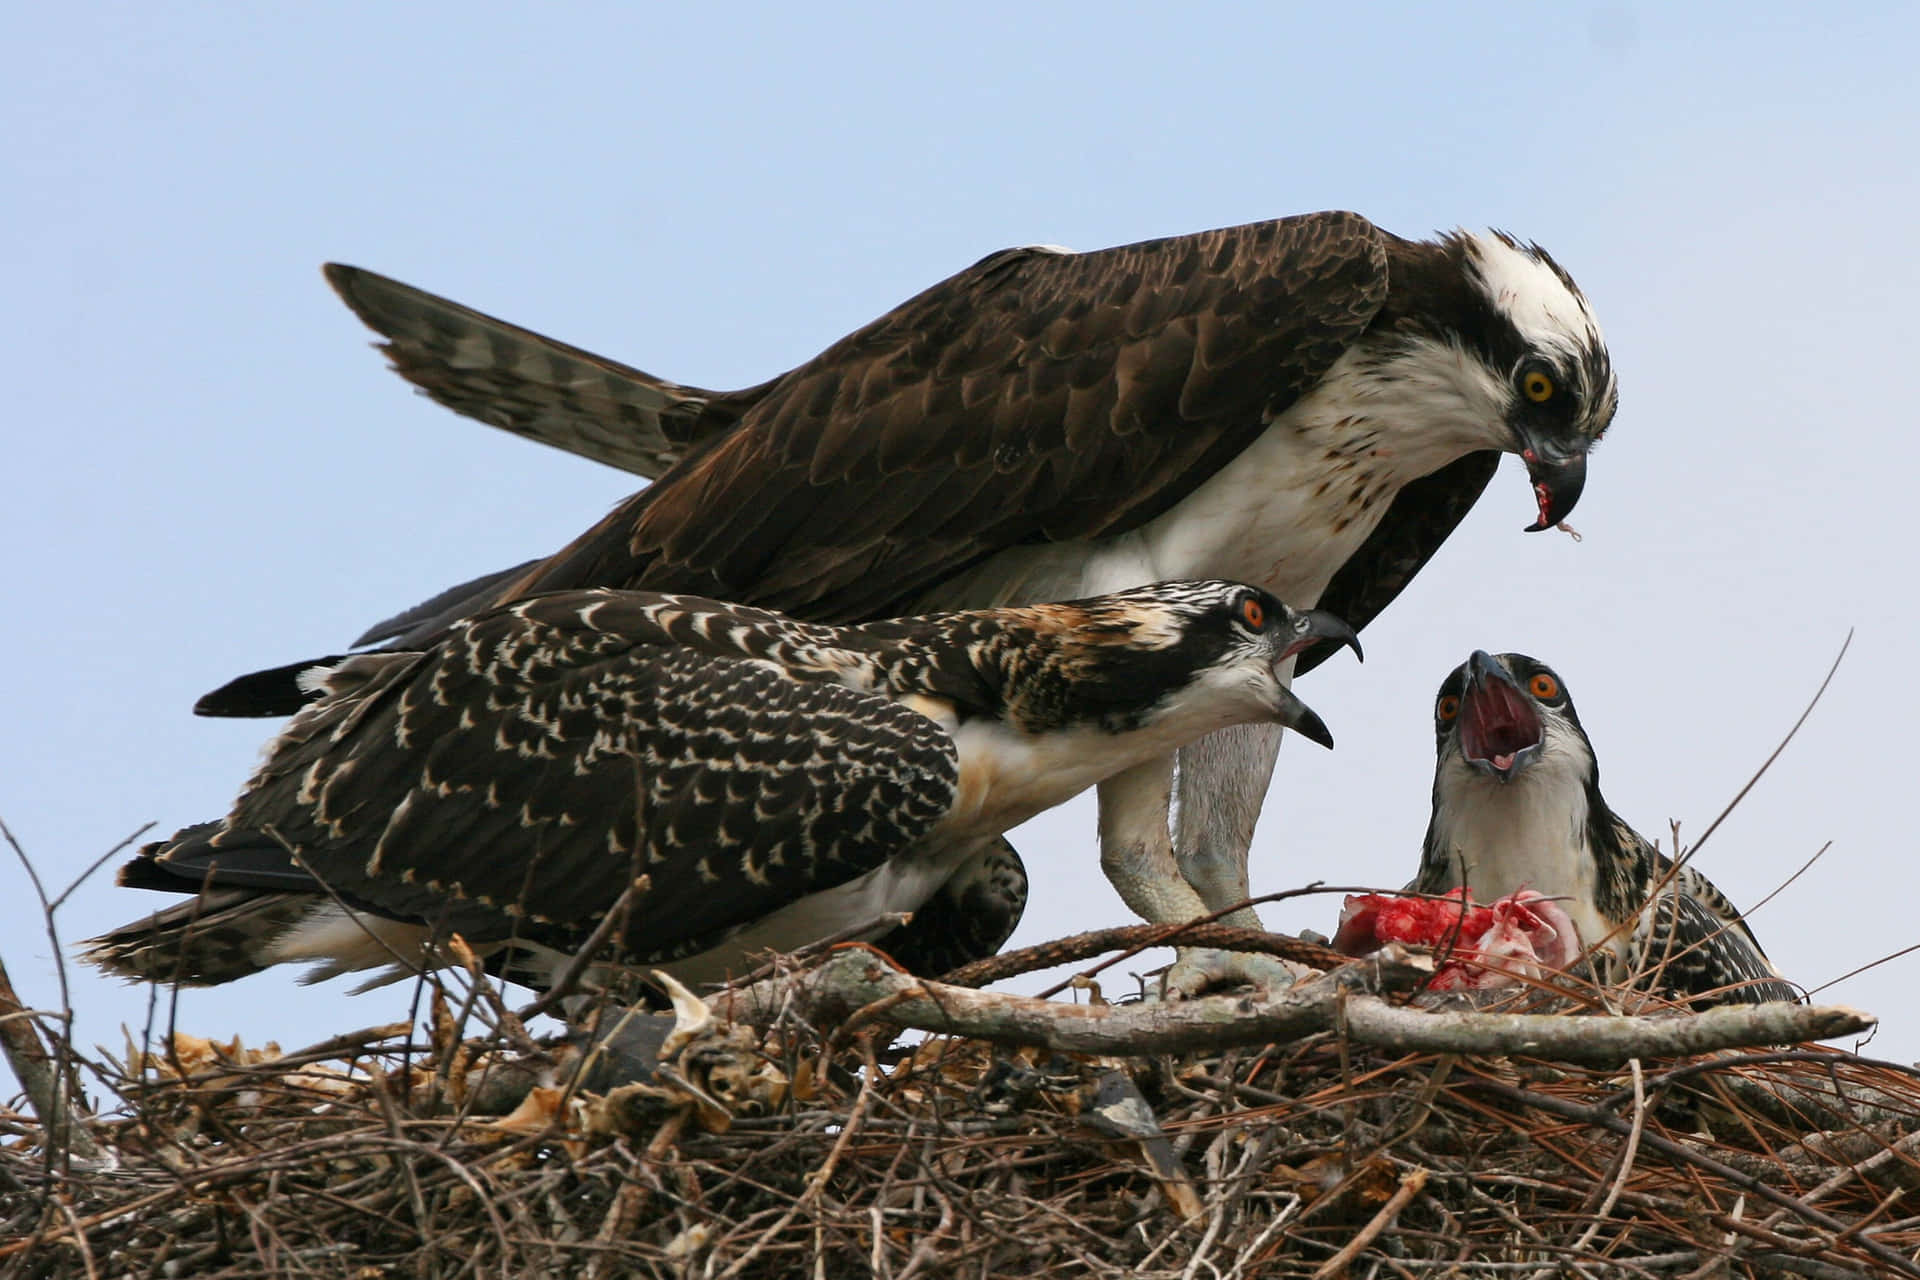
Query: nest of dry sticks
[[1346, 1127]]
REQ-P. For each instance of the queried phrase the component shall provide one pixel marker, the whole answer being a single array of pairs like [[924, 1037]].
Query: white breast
[[1297, 503], [1529, 833], [1290, 509]]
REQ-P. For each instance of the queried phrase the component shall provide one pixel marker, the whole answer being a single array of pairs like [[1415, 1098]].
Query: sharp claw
[[1197, 970], [692, 1017]]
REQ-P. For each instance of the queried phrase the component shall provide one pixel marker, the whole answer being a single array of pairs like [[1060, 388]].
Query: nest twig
[[1333, 1130]]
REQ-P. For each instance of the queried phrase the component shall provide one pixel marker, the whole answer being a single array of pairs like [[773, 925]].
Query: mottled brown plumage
[[1035, 396], [513, 779]]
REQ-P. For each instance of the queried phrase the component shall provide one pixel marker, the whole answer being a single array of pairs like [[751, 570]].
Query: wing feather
[[514, 780], [1142, 368], [524, 382], [1035, 396], [1703, 946]]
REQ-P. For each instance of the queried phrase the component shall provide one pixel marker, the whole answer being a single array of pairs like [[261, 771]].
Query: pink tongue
[[1503, 760]]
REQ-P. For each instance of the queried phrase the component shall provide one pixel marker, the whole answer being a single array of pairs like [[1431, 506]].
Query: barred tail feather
[[218, 937], [226, 934]]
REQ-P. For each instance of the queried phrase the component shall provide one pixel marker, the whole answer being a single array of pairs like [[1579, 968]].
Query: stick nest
[[785, 1146]]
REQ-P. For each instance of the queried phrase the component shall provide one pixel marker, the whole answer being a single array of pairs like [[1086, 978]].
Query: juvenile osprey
[[1309, 404], [1517, 806], [775, 782]]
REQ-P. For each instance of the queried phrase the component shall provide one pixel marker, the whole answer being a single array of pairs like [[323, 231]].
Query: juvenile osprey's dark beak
[[1500, 729], [1305, 628], [1299, 717], [1558, 477], [1302, 629]]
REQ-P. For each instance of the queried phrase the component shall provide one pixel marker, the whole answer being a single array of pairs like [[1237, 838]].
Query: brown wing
[[512, 780], [526, 383], [1035, 396], [1698, 940]]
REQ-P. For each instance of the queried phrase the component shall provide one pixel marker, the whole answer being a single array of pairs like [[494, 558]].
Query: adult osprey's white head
[[1486, 336]]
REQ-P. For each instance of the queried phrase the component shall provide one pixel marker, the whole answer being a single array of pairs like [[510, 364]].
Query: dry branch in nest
[[1331, 1130]]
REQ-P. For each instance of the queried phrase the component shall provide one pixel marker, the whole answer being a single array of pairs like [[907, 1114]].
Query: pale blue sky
[[207, 470]]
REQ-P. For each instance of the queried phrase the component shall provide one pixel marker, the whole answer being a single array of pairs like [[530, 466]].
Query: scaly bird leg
[[1223, 779], [1136, 853]]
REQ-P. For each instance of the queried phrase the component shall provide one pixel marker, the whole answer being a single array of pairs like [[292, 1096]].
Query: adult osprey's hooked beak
[[1557, 474]]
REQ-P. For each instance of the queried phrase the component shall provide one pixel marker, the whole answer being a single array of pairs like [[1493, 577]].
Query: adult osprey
[[1310, 404], [1517, 806], [774, 782]]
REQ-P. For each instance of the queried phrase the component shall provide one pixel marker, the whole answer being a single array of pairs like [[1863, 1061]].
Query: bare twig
[[1627, 1153], [1130, 940], [872, 927], [1860, 969], [41, 1076], [1411, 1184], [1784, 885], [54, 1070], [1687, 1155], [1681, 857], [817, 1181]]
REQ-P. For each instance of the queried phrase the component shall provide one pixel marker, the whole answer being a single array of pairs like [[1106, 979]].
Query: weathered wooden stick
[[1085, 946], [41, 1076], [1598, 1040], [859, 977]]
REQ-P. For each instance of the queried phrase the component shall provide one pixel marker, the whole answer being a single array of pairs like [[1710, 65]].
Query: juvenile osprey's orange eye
[[1253, 613], [1538, 386], [1448, 708], [1544, 686]]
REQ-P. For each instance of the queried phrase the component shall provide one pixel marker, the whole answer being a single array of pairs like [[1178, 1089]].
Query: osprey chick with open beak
[[1517, 807]]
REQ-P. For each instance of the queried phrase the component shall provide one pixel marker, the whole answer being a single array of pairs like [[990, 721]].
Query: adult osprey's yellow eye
[[1538, 386], [1253, 613], [1448, 708], [1544, 686]]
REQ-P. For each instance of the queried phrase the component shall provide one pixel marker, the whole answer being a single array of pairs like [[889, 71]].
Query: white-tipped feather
[[1531, 293]]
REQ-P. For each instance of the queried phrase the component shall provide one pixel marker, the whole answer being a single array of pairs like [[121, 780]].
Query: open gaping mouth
[[1499, 729]]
